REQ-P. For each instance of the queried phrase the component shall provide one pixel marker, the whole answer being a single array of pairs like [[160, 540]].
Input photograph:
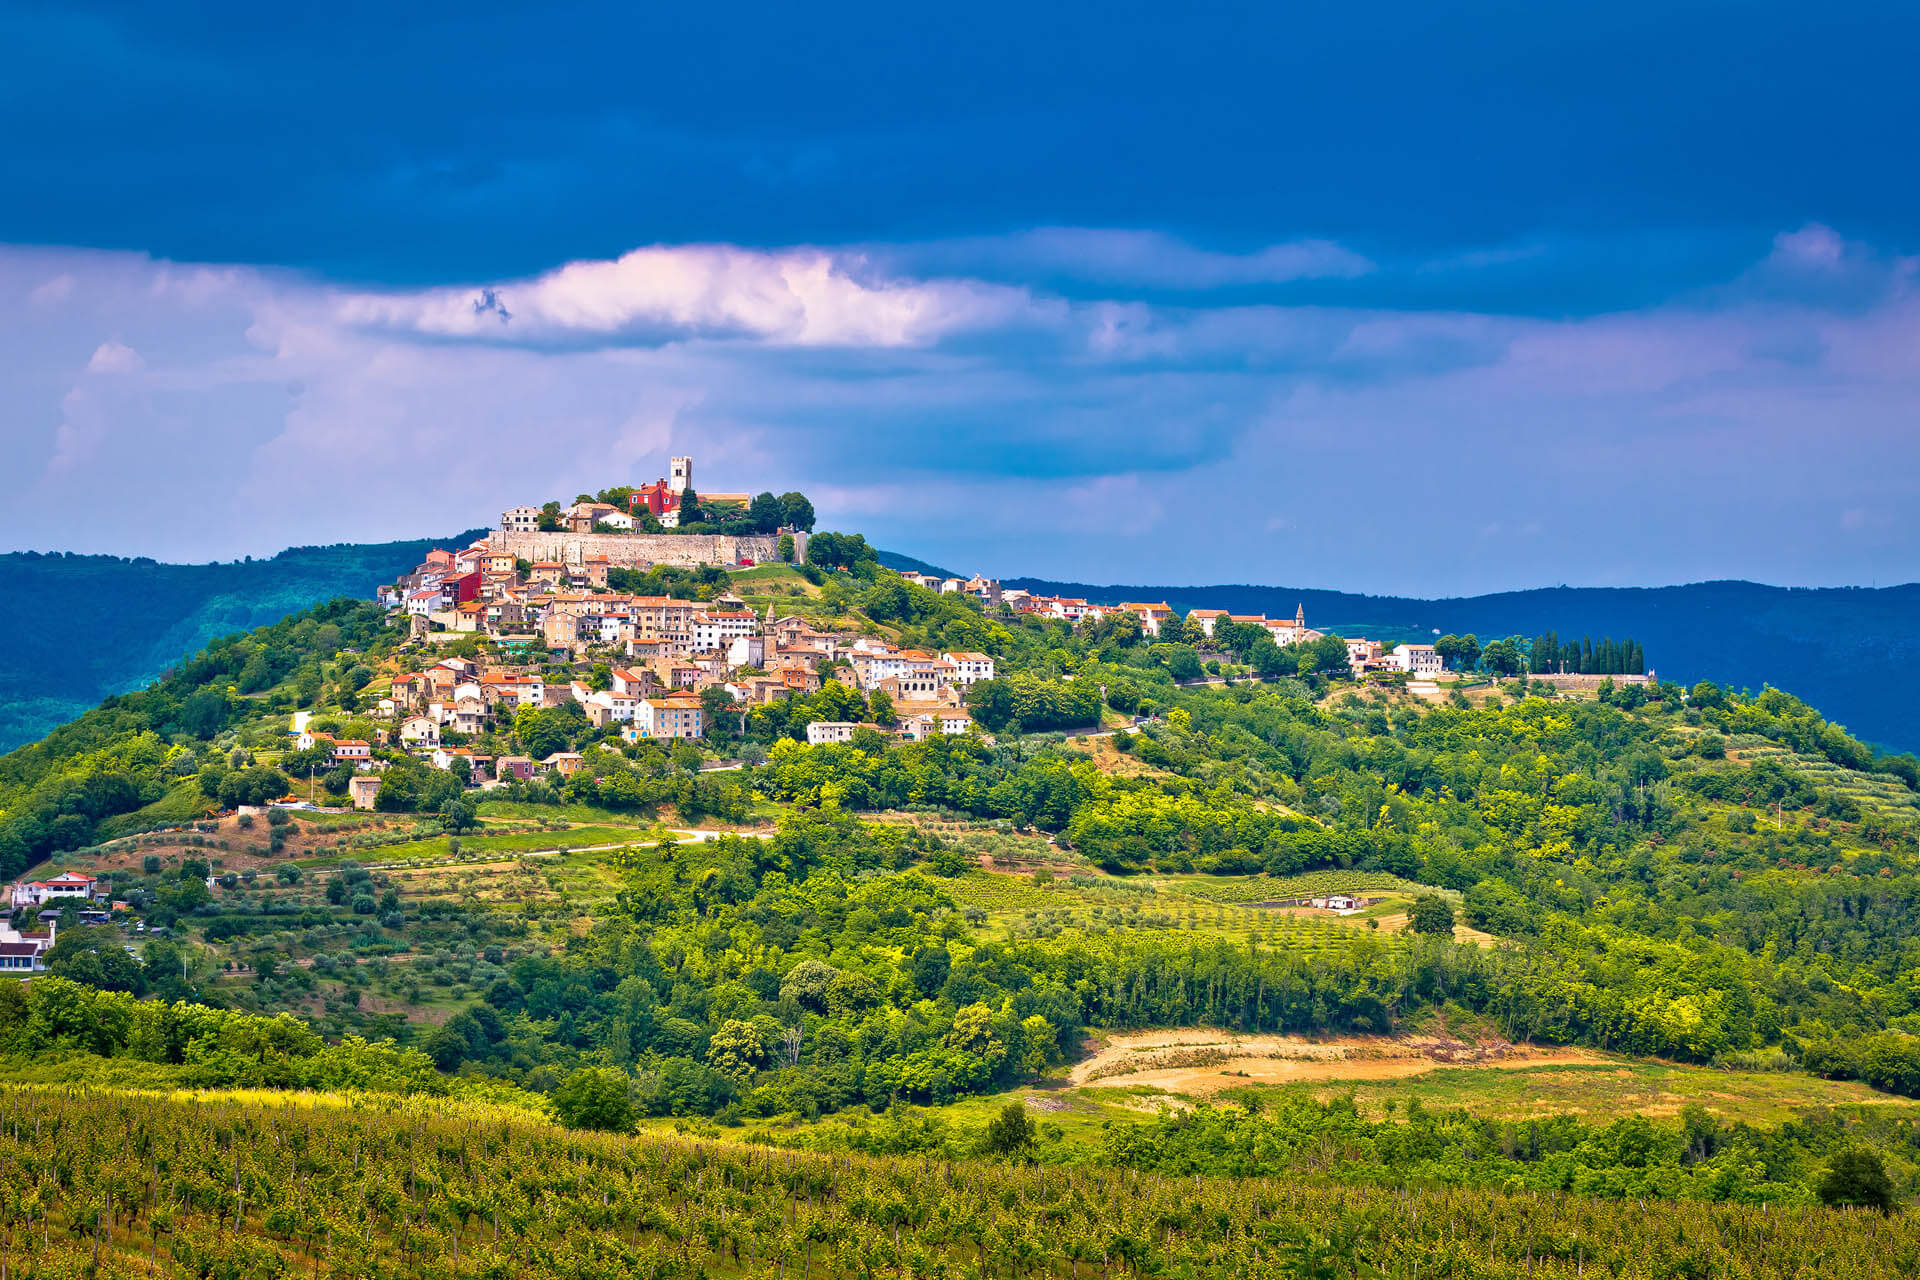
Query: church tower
[[679, 475]]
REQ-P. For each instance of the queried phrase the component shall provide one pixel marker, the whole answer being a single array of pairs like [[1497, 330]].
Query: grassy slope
[[138, 617]]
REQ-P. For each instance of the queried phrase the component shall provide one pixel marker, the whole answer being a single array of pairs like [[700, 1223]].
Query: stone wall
[[639, 550], [1587, 684]]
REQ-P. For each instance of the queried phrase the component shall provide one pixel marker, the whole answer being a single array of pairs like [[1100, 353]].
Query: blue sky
[[1406, 297]]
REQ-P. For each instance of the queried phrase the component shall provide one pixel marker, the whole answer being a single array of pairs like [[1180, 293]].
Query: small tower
[[1300, 617], [679, 475]]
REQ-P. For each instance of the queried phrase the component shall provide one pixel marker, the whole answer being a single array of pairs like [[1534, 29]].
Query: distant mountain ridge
[[83, 628], [1847, 650]]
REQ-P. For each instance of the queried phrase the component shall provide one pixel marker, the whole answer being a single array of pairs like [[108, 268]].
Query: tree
[[735, 1049], [765, 512], [796, 511], [1184, 664], [929, 969], [544, 731], [1856, 1177], [807, 982], [458, 815], [1010, 1132], [97, 957], [1042, 1043], [784, 548], [594, 1098], [690, 512], [1431, 913], [1460, 653], [256, 785], [721, 711], [1505, 657], [880, 707]]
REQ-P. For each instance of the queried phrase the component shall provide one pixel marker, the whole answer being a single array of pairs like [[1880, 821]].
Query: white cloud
[[801, 297], [115, 357], [984, 426]]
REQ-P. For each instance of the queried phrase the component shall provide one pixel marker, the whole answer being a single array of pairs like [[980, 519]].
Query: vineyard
[[121, 1184], [1311, 884], [1233, 909]]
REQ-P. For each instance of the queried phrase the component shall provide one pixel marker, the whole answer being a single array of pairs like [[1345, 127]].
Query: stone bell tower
[[679, 475]]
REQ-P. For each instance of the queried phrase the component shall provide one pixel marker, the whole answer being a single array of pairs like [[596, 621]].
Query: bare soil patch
[[1201, 1062]]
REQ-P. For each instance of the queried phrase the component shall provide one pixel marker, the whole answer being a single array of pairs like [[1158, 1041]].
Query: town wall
[[639, 550]]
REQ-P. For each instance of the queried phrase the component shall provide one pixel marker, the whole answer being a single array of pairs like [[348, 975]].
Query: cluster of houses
[[664, 654], [985, 590], [1365, 657], [24, 951]]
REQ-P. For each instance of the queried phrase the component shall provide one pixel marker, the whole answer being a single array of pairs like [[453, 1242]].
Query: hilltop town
[[637, 617], [574, 649]]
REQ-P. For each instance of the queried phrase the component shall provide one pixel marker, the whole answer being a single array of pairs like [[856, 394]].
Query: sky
[[1403, 297]]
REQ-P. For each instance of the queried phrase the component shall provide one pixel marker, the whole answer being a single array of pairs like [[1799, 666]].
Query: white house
[[68, 886], [1207, 618], [422, 604], [420, 731], [969, 667], [820, 732], [520, 520], [619, 708], [1423, 660], [25, 952], [718, 628], [747, 651]]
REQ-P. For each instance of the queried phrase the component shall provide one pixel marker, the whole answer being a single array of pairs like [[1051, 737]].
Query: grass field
[[1598, 1090], [1601, 1089]]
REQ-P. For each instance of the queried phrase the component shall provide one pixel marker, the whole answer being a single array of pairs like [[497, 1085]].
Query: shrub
[[594, 1098], [1856, 1178], [1431, 913]]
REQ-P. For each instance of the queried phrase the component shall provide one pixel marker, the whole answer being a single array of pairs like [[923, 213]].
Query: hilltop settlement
[[621, 605], [650, 628]]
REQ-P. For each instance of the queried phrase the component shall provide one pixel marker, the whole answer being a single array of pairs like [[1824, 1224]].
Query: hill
[[1844, 649], [83, 628], [1633, 946], [907, 564]]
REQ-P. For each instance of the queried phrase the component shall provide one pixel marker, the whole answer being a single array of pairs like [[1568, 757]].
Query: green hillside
[[1634, 945], [135, 618]]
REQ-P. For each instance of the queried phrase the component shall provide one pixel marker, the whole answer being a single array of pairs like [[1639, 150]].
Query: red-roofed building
[[69, 886]]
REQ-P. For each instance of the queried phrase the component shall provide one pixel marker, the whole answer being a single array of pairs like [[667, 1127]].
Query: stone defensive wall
[[640, 550]]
